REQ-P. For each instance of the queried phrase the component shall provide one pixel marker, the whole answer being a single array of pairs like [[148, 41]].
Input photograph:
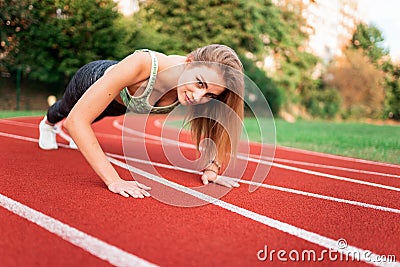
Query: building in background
[[330, 24], [127, 7]]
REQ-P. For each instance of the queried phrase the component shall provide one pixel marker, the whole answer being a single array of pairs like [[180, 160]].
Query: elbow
[[73, 122], [69, 123]]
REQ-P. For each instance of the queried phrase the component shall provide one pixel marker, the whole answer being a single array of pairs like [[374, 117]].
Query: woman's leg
[[78, 85], [57, 112]]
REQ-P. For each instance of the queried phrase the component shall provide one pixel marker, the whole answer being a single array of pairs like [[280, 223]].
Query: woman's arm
[[131, 70], [210, 174]]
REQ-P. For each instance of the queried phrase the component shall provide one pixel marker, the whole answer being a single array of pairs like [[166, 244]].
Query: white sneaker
[[47, 136], [72, 144]]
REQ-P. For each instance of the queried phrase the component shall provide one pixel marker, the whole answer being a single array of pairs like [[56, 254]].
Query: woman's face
[[197, 85]]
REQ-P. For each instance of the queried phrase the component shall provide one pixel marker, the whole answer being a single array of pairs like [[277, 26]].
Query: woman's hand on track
[[210, 176], [129, 188]]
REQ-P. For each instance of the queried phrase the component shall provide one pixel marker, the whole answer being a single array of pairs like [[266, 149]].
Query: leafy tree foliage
[[360, 84], [15, 18], [369, 39], [256, 26], [321, 100], [62, 35], [297, 65], [59, 36], [192, 24], [393, 93], [265, 84]]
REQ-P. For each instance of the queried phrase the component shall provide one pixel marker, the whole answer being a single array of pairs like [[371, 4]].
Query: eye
[[211, 95], [200, 84]]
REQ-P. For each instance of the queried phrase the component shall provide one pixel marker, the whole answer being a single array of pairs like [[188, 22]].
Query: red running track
[[55, 211]]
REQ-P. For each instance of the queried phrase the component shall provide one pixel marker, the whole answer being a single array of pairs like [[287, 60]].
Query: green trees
[[15, 19], [369, 39], [360, 85], [192, 24], [294, 75], [264, 83], [257, 28], [368, 81], [50, 39], [392, 100], [59, 36]]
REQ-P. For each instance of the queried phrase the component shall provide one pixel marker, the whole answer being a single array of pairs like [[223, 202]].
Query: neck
[[168, 77], [167, 80]]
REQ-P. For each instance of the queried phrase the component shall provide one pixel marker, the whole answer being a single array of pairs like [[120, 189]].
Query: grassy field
[[360, 140], [20, 113]]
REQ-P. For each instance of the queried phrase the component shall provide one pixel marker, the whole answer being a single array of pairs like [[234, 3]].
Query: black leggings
[[78, 85]]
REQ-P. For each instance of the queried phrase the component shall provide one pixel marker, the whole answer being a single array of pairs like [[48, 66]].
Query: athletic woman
[[110, 88]]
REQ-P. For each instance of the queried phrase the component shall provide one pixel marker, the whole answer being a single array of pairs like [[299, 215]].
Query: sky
[[385, 15]]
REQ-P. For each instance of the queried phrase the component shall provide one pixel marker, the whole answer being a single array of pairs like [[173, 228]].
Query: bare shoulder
[[140, 60], [130, 70], [167, 61]]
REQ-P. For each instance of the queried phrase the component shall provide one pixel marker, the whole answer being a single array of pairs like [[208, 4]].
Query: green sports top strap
[[140, 104]]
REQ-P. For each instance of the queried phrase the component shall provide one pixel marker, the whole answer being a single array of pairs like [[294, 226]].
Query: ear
[[188, 59]]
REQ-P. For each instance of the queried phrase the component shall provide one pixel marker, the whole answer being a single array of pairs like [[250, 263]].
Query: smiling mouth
[[188, 99]]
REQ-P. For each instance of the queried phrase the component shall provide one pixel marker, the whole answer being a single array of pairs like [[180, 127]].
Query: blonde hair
[[201, 117]]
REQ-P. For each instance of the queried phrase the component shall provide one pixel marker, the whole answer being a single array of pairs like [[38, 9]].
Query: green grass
[[21, 113], [360, 140]]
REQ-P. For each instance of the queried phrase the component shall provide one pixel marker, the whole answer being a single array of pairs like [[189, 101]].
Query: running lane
[[70, 192]]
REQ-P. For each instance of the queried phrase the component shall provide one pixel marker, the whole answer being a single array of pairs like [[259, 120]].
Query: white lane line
[[320, 154], [272, 187], [19, 123], [187, 145], [259, 161], [93, 245], [324, 166], [351, 202], [153, 163], [61, 133], [325, 175], [68, 138], [19, 137], [167, 141], [24, 138], [324, 197], [158, 124], [365, 255], [132, 139]]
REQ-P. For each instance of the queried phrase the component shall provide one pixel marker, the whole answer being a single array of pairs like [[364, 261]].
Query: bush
[[267, 86], [360, 85], [62, 36], [392, 107], [322, 102]]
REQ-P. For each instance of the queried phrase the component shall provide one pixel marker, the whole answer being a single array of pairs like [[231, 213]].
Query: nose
[[199, 93]]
